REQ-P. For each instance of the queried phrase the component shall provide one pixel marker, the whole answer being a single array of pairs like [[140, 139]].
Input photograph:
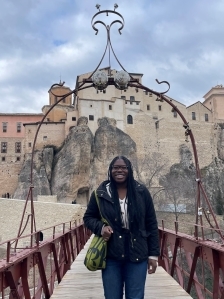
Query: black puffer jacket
[[136, 245]]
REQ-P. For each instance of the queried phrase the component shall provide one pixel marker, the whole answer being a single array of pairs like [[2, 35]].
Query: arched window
[[129, 119]]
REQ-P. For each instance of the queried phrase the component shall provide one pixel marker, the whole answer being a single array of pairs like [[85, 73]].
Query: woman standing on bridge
[[132, 233]]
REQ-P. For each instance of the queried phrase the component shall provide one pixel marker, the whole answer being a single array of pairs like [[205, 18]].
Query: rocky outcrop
[[42, 165], [220, 140], [109, 142], [213, 178], [81, 163], [72, 163]]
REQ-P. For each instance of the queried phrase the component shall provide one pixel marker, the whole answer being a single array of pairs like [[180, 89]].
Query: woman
[[132, 233]]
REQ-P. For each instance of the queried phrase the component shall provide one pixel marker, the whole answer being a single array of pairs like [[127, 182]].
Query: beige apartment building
[[152, 124], [13, 148]]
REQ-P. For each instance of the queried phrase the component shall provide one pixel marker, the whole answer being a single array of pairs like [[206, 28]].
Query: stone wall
[[9, 178], [49, 134], [47, 198], [46, 214]]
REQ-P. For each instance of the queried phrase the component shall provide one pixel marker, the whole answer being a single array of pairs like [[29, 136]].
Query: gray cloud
[[178, 41]]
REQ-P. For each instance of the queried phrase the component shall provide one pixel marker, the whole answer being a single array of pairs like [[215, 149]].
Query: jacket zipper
[[132, 245]]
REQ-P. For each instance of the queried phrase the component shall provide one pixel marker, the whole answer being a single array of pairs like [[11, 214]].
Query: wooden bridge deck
[[80, 283]]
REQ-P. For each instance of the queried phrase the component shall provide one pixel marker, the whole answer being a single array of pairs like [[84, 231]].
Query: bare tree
[[178, 193], [150, 169]]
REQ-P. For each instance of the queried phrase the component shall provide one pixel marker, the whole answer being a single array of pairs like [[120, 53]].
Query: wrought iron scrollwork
[[107, 12]]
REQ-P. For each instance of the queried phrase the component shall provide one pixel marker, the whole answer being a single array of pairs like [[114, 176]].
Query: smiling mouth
[[119, 176]]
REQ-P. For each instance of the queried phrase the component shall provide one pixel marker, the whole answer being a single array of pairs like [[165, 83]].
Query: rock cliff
[[74, 170], [81, 163]]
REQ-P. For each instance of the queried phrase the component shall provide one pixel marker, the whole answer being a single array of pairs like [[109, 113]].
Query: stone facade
[[13, 149], [214, 100], [50, 133]]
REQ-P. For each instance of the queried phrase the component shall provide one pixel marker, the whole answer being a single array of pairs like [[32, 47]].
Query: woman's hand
[[152, 265], [106, 232]]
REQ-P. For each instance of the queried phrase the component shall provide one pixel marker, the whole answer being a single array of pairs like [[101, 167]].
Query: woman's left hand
[[152, 265]]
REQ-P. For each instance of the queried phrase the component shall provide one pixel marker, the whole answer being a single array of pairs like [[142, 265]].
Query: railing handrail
[[60, 250], [38, 231]]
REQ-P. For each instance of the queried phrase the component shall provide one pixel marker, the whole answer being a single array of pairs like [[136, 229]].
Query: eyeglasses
[[122, 167]]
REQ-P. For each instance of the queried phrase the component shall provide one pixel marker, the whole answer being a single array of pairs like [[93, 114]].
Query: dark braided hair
[[131, 192]]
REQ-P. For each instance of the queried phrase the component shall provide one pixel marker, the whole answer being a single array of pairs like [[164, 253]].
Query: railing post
[[8, 252]]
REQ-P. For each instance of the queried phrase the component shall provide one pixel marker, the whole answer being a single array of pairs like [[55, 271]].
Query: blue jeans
[[120, 274]]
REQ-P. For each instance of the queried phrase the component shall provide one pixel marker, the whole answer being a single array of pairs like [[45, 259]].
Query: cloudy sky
[[174, 40]]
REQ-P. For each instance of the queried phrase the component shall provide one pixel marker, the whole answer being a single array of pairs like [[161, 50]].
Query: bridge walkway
[[79, 283]]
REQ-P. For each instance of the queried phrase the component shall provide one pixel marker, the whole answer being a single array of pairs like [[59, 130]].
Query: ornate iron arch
[[122, 80]]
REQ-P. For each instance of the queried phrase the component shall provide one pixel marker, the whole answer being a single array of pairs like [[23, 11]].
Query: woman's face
[[119, 171]]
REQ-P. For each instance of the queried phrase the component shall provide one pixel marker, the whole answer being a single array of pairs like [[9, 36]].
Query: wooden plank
[[79, 283]]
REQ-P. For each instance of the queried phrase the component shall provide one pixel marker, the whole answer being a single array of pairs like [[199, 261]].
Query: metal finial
[[115, 6], [98, 6]]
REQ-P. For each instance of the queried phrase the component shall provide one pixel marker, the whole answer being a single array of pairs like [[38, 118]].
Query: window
[[174, 113], [129, 119], [44, 138], [18, 147], [146, 92], [148, 107], [157, 124], [91, 106], [193, 116], [3, 159], [55, 99], [17, 158], [206, 117], [137, 103], [110, 107], [160, 108], [29, 144], [18, 126], [3, 147], [132, 98], [48, 119], [91, 117], [73, 118], [123, 97], [64, 100], [4, 127]]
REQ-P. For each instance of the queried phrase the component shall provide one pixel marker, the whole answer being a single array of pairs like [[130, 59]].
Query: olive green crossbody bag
[[95, 258]]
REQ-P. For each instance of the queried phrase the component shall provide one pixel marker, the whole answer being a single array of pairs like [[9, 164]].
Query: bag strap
[[97, 200]]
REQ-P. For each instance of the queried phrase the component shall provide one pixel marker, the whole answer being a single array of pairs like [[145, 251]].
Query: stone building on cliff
[[151, 130]]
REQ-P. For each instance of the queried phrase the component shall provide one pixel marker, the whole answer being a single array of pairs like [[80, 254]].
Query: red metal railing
[[32, 271], [196, 264]]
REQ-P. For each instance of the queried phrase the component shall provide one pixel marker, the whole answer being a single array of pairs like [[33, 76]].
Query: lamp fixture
[[100, 80], [121, 80]]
